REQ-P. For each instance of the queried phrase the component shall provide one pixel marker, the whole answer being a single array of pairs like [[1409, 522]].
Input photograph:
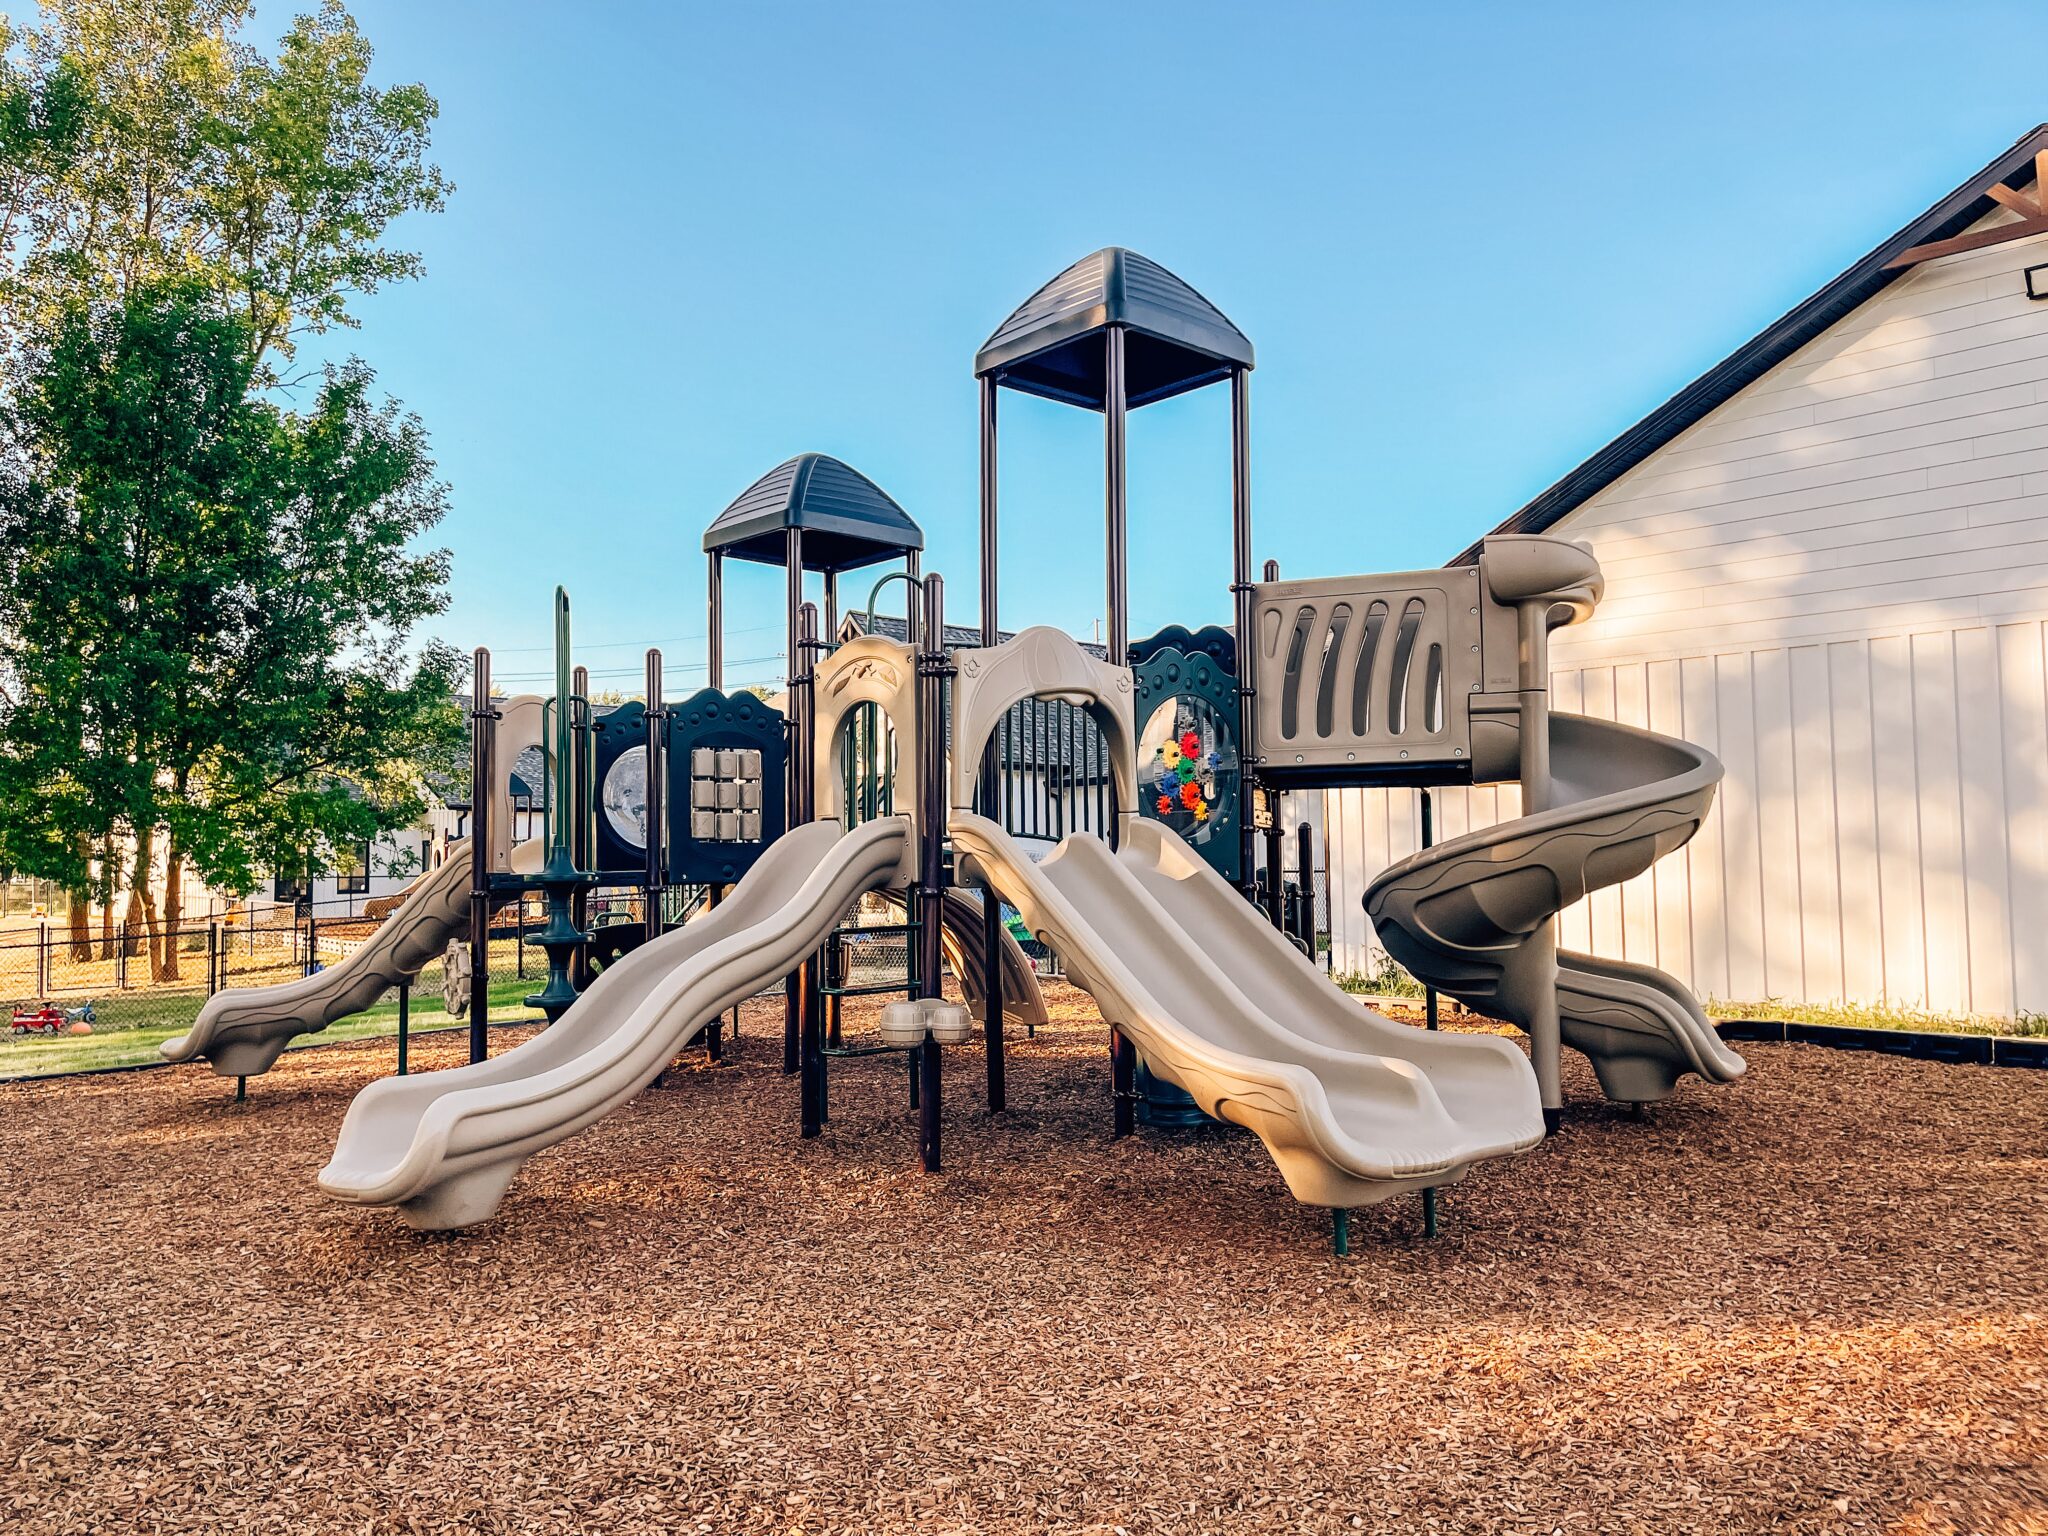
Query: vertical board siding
[[1836, 581], [1881, 836]]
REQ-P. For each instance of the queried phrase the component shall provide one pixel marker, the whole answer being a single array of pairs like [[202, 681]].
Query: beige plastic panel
[[1040, 663], [870, 670], [522, 723], [1363, 671]]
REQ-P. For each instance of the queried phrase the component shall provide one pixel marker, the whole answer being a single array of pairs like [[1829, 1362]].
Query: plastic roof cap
[[1051, 345], [846, 519]]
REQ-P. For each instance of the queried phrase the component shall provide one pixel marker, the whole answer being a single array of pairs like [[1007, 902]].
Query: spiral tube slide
[[1472, 917]]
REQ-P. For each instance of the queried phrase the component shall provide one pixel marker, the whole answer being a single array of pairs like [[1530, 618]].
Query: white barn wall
[[1837, 581]]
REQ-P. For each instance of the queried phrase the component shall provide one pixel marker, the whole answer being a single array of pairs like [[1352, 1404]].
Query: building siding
[[1837, 581]]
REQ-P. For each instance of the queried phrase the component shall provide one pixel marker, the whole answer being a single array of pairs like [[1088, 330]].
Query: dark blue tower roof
[[1177, 340], [847, 520]]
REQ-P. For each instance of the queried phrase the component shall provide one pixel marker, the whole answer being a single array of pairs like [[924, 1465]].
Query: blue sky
[[1470, 242]]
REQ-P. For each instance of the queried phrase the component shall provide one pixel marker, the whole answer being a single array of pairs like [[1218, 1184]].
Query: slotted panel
[[1359, 678]]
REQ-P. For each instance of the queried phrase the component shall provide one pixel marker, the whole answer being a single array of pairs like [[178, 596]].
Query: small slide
[[443, 1147], [242, 1031], [1353, 1107], [1471, 916]]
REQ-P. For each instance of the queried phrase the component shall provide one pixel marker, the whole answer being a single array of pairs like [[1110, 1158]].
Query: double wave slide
[[444, 1147], [242, 1031], [1353, 1107], [1472, 916]]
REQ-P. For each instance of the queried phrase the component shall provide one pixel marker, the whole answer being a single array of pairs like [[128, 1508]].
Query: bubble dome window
[[1188, 770]]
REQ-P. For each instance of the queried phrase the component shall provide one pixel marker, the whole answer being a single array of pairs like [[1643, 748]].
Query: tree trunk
[[174, 908], [132, 940], [145, 889]]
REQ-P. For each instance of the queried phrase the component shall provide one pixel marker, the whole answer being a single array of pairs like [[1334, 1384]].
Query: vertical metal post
[[810, 1010], [42, 959], [931, 816], [1532, 666], [212, 958], [482, 779], [656, 829], [793, 602], [714, 639], [1428, 1006], [1273, 833], [991, 904], [1305, 885], [1241, 603], [1113, 418], [312, 944], [404, 1024], [1123, 1083], [830, 633], [582, 832]]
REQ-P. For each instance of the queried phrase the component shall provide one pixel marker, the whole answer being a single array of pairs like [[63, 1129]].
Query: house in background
[[1827, 561]]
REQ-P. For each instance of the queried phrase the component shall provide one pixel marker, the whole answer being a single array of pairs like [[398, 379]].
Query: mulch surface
[[1814, 1301]]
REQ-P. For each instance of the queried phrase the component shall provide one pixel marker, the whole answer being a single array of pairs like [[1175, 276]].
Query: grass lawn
[[131, 1028]]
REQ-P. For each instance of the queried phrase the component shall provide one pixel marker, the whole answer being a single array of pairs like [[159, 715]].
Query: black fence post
[[212, 959], [42, 959], [121, 960], [404, 1022], [312, 943]]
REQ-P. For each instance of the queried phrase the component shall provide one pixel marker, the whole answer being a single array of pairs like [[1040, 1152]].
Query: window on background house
[[356, 882]]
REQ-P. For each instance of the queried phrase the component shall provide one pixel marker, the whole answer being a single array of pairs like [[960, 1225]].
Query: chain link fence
[[129, 999]]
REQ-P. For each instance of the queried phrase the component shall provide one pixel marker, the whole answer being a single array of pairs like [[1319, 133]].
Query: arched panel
[[872, 673], [1047, 663], [521, 724]]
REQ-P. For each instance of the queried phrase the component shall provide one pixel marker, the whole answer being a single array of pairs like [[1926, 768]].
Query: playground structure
[[1157, 904]]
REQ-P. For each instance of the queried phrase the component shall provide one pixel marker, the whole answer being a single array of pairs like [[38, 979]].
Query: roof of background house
[[1777, 341]]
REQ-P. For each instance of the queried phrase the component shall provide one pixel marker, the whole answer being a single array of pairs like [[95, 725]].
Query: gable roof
[[1177, 341], [1865, 279]]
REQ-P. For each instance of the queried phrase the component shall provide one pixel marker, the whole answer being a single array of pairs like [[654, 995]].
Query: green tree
[[206, 601], [143, 141]]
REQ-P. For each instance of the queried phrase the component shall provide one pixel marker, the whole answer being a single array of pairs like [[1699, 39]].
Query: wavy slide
[[444, 1147], [242, 1031], [1354, 1108], [1472, 916]]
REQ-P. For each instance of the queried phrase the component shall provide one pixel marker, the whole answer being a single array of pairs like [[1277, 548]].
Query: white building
[[1827, 560]]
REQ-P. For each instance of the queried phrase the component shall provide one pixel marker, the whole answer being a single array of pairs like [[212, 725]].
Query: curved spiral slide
[[443, 1147], [1472, 916], [1353, 1108], [242, 1031]]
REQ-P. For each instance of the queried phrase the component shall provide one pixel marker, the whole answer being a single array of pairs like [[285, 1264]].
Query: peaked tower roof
[[847, 520], [1177, 340]]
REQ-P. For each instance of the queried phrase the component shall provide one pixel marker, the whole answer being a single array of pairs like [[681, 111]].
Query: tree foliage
[[208, 589], [143, 141], [205, 604]]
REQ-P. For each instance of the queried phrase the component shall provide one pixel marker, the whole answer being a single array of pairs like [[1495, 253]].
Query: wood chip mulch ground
[[1814, 1301]]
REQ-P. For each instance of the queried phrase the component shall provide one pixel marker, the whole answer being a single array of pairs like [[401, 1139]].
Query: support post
[[1241, 602], [657, 808], [1340, 1231], [1429, 1018], [482, 777], [1123, 1084], [793, 602], [1114, 412], [582, 834], [931, 884], [714, 639], [810, 1000], [404, 1023], [991, 904], [1532, 665], [1305, 886]]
